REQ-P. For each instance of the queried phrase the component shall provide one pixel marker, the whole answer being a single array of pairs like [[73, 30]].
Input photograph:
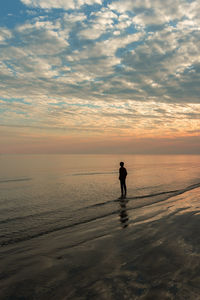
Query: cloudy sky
[[99, 76]]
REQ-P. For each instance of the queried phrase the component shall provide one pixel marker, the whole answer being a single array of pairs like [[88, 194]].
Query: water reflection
[[123, 213]]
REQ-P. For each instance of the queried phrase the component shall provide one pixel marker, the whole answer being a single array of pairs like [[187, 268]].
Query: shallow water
[[61, 218]]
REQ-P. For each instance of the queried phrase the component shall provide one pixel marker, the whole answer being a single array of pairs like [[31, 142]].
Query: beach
[[92, 245]]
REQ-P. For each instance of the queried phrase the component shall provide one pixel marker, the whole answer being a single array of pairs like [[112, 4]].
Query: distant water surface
[[43, 193]]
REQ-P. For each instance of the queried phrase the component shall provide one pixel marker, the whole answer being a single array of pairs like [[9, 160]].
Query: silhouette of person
[[122, 178]]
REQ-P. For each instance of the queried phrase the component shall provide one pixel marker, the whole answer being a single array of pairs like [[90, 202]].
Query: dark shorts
[[123, 181]]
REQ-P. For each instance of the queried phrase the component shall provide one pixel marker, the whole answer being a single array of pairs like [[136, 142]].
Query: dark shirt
[[122, 173]]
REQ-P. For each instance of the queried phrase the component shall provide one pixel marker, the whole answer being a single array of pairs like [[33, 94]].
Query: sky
[[100, 76]]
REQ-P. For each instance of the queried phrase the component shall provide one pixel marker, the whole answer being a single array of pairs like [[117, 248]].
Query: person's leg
[[121, 184], [125, 188]]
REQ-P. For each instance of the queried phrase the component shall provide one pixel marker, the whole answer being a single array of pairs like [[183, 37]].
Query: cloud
[[101, 22], [130, 118], [155, 65], [69, 4], [129, 68], [154, 11], [5, 35], [42, 38]]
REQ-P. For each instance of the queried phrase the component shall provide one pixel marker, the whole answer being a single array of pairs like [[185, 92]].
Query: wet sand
[[152, 252]]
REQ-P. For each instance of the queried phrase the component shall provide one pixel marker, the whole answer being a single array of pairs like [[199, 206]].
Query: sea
[[65, 234]]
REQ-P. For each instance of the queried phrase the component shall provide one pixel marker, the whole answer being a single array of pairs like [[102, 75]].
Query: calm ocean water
[[64, 233], [41, 194]]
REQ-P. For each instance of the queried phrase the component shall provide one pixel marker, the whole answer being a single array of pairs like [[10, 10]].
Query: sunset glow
[[94, 76]]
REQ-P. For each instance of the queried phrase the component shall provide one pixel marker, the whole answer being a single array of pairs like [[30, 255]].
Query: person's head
[[121, 163]]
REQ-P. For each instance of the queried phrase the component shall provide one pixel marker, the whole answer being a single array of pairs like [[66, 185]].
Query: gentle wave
[[15, 180], [28, 217], [38, 234], [167, 194], [92, 173]]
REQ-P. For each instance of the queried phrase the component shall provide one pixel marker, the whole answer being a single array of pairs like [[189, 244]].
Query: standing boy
[[122, 178]]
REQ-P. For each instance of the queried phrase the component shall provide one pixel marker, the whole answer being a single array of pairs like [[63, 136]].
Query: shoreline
[[156, 256]]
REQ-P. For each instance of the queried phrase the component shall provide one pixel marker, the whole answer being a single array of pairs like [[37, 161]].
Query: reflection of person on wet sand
[[122, 178], [123, 213]]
